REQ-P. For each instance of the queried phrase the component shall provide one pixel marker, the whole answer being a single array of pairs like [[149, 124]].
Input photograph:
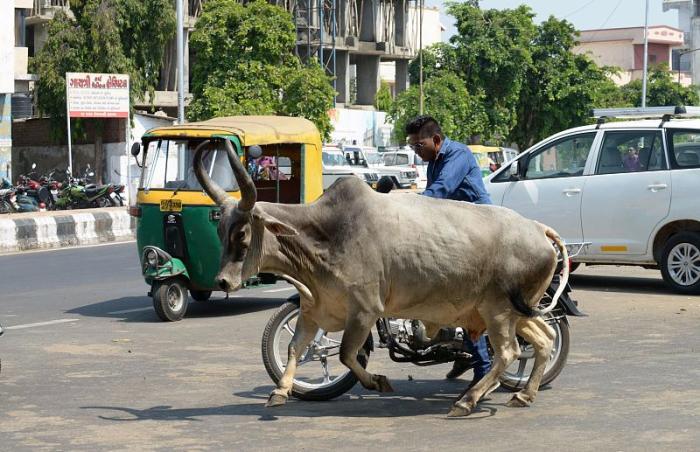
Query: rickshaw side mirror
[[255, 151], [136, 149]]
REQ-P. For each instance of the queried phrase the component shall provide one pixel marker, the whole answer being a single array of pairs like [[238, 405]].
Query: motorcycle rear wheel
[[313, 380], [517, 374]]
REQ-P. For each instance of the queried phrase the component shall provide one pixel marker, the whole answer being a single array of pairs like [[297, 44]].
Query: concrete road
[[86, 365]]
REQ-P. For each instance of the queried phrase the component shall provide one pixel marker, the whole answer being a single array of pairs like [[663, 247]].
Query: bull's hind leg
[[541, 337], [501, 330], [357, 327], [306, 329]]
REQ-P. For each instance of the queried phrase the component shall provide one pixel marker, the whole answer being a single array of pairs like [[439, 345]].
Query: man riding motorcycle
[[453, 173]]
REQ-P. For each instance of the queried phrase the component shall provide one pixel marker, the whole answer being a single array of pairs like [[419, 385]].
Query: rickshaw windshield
[[168, 165]]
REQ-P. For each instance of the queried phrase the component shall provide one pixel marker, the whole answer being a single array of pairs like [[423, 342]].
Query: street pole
[[180, 63], [420, 59], [646, 55]]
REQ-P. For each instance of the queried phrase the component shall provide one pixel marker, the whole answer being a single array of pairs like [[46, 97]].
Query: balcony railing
[[41, 7]]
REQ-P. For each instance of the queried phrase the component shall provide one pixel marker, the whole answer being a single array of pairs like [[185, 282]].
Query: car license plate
[[414, 186], [170, 205]]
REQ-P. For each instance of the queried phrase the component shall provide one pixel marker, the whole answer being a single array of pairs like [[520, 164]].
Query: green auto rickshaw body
[[181, 224]]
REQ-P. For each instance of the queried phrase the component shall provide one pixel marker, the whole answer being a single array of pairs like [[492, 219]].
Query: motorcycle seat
[[91, 190]]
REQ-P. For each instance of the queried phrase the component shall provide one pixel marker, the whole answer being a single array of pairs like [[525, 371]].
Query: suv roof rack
[[644, 113]]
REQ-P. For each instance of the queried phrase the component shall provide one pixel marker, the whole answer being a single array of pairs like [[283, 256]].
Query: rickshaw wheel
[[170, 299], [200, 295]]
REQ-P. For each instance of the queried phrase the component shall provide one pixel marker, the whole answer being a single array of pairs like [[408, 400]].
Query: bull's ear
[[277, 227]]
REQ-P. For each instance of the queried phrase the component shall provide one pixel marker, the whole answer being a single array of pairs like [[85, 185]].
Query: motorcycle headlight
[[152, 258]]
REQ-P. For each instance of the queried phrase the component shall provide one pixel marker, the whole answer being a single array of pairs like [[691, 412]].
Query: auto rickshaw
[[176, 221]]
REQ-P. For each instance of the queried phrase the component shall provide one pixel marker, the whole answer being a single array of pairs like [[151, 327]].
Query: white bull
[[356, 255]]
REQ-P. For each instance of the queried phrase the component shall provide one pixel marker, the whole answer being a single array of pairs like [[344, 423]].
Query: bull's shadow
[[139, 309], [414, 398]]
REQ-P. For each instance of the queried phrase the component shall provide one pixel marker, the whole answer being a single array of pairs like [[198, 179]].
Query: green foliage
[[110, 36], [383, 99], [492, 55], [447, 99], [245, 65], [560, 88], [437, 58], [662, 90]]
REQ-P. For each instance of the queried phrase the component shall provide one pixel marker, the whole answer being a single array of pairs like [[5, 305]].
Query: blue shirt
[[455, 174]]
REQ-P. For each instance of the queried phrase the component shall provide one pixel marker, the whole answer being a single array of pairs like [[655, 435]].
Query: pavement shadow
[[621, 284], [139, 309], [414, 398]]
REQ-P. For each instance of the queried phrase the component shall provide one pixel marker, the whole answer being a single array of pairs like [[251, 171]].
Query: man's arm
[[453, 172]]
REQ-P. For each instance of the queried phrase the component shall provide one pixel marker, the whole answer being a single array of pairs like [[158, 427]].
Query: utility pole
[[420, 59], [646, 55], [180, 63]]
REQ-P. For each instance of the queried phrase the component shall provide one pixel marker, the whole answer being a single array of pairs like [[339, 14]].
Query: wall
[[658, 54], [609, 53], [365, 127]]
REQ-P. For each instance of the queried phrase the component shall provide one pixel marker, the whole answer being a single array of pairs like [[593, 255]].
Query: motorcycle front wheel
[[517, 374], [319, 374]]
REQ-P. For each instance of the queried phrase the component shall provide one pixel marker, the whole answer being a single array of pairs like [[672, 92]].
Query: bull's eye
[[240, 235]]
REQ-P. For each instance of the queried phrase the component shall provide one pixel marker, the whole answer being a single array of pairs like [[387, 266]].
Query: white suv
[[629, 188]]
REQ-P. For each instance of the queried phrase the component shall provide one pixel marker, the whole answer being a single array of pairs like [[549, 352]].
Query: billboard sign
[[97, 95]]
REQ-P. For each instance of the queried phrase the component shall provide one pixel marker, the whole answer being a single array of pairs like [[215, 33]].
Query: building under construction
[[350, 38]]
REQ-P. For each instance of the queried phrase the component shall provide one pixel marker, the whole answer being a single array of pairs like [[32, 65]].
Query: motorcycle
[[32, 195], [8, 197], [406, 342], [78, 194]]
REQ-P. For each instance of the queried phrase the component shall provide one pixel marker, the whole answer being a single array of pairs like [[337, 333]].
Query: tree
[[560, 88], [110, 36], [245, 64], [662, 90], [383, 99], [459, 113], [437, 59], [492, 55]]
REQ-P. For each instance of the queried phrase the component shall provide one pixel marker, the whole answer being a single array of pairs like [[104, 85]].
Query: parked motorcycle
[[317, 378], [32, 195], [8, 197], [79, 194]]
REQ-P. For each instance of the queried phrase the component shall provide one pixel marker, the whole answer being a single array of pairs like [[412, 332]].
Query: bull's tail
[[553, 236]]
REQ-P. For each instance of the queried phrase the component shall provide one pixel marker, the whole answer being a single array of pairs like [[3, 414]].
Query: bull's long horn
[[216, 193], [248, 192]]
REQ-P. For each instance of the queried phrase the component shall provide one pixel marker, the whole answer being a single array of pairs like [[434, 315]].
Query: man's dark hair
[[424, 126]]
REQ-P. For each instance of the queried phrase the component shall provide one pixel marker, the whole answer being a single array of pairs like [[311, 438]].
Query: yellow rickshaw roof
[[481, 149], [250, 130]]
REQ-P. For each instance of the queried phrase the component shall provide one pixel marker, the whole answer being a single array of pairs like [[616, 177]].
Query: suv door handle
[[571, 191], [657, 187]]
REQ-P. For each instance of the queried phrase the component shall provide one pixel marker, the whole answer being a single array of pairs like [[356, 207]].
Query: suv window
[[685, 148], [395, 159], [631, 152], [564, 158]]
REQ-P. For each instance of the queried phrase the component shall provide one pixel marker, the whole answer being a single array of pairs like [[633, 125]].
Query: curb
[[61, 229]]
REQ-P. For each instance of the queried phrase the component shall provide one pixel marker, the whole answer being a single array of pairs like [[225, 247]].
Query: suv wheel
[[680, 263]]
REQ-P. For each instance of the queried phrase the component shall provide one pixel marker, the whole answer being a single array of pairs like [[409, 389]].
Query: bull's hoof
[[518, 401], [381, 384], [459, 409], [276, 400]]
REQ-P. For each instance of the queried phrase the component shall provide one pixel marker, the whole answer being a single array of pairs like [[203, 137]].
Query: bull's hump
[[345, 189]]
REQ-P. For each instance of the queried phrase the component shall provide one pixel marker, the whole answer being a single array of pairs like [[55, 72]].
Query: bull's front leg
[[305, 331], [541, 337], [357, 327]]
